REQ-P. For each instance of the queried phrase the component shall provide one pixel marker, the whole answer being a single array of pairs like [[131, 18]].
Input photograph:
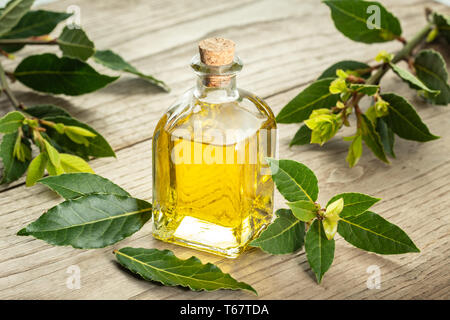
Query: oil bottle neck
[[216, 84], [215, 88]]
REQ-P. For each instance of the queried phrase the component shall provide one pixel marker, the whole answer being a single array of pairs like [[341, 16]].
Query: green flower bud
[[384, 56], [340, 105], [337, 86], [324, 125], [433, 34], [331, 217], [341, 74], [381, 108]]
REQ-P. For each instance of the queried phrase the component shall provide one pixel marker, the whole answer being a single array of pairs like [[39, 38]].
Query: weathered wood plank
[[30, 267], [416, 198]]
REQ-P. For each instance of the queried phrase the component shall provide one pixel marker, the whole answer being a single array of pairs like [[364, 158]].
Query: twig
[[5, 88], [28, 41]]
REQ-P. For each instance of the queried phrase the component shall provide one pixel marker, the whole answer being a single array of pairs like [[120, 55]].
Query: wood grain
[[283, 49]]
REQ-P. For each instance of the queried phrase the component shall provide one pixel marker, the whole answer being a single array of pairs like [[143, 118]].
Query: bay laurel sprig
[[327, 104], [97, 213], [308, 223], [64, 143]]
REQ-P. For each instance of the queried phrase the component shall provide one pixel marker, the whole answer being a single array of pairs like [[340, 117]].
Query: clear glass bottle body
[[212, 188]]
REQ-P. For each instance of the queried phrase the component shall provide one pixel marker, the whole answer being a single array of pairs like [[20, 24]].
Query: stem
[[5, 88], [402, 54], [28, 41]]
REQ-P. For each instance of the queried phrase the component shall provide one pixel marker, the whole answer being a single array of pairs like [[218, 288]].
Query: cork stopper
[[216, 51]]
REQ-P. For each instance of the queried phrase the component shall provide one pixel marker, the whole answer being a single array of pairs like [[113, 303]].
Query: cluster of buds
[[324, 124]]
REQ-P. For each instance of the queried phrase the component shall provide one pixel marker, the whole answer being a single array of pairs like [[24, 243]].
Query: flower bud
[[324, 125]]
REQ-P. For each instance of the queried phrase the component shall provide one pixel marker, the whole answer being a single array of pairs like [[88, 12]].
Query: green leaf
[[354, 203], [372, 139], [404, 120], [74, 43], [54, 170], [367, 89], [319, 250], [431, 69], [98, 146], [353, 19], [113, 61], [370, 232], [164, 267], [443, 24], [49, 73], [11, 14], [315, 96], [93, 221], [294, 180], [363, 69], [302, 136], [79, 131], [303, 210], [11, 122], [71, 164], [412, 81], [46, 110], [285, 235], [53, 154], [33, 24], [75, 185], [13, 169], [386, 136], [354, 151], [36, 169]]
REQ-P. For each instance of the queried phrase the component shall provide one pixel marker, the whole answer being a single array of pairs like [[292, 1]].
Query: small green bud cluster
[[324, 125]]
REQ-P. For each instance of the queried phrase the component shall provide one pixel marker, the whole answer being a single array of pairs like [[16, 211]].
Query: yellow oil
[[212, 187]]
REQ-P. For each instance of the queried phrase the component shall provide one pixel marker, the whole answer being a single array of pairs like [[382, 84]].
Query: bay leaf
[[386, 135], [11, 122], [356, 21], [412, 81], [319, 250], [285, 235], [301, 137], [294, 180], [164, 267], [32, 24], [46, 110], [431, 69], [74, 43], [13, 169], [404, 120], [75, 185], [372, 139], [51, 74], [11, 14], [371, 232], [92, 221], [113, 61]]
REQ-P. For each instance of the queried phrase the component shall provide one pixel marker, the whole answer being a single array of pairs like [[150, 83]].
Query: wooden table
[[284, 45]]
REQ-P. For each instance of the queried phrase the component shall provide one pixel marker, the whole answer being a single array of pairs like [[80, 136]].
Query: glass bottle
[[212, 188]]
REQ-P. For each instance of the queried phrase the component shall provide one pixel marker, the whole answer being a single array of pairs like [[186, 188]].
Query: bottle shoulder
[[244, 110]]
